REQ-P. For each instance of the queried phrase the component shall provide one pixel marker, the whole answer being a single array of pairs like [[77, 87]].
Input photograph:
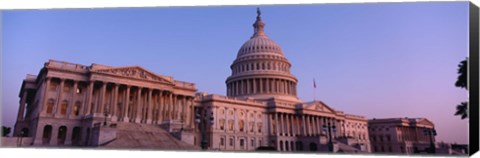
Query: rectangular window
[[53, 87], [242, 143], [231, 142], [222, 141], [66, 88], [259, 142]]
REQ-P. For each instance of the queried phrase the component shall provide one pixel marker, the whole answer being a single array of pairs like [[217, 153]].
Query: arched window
[[50, 106], [286, 146], [76, 135], [63, 107], [291, 146], [47, 134], [62, 133], [281, 145]]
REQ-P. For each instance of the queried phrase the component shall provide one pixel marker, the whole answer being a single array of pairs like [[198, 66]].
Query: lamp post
[[430, 132], [329, 128], [202, 121]]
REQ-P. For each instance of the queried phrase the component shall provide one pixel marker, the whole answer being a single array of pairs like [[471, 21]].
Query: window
[[230, 125], [259, 142], [402, 149], [50, 106], [390, 149], [252, 143], [250, 126], [222, 141], [63, 107], [242, 143], [388, 138], [381, 138], [383, 149], [231, 142], [222, 124], [259, 127], [241, 125], [76, 108], [53, 86], [66, 88]]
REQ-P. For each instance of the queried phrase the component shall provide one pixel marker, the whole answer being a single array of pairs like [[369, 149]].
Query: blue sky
[[376, 59]]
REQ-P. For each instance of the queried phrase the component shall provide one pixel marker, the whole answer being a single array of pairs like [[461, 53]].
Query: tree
[[462, 108], [5, 131]]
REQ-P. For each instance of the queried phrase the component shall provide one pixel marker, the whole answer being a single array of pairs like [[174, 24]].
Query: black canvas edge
[[473, 88]]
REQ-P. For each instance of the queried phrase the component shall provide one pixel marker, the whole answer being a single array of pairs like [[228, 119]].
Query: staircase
[[144, 136]]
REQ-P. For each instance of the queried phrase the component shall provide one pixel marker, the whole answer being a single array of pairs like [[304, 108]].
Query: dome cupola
[[261, 70]]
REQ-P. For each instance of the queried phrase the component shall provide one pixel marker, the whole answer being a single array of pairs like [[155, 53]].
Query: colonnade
[[121, 102], [286, 124], [262, 86]]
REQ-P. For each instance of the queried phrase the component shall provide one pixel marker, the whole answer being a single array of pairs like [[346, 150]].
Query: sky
[[379, 60]]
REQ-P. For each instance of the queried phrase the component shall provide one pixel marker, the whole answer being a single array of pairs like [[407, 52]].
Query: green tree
[[5, 131], [462, 108]]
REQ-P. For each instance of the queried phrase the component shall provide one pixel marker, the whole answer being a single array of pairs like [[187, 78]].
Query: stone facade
[[400, 135], [66, 104], [62, 104]]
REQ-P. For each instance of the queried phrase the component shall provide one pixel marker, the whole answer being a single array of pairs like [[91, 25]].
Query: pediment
[[135, 72], [425, 122], [319, 106]]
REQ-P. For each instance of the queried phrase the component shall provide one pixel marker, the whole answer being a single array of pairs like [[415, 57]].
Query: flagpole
[[314, 89]]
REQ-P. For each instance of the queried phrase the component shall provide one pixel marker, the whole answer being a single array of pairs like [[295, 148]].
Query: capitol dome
[[261, 70], [259, 44]]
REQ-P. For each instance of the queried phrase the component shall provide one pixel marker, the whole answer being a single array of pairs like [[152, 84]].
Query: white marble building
[[65, 103]]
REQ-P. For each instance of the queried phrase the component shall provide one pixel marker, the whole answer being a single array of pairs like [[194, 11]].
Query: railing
[[65, 65]]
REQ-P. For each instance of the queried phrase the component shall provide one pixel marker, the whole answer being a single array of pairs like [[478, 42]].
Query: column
[[236, 87], [138, 106], [192, 113], [254, 86], [267, 82], [126, 104], [261, 85], [304, 130], [73, 100], [250, 86], [161, 105], [60, 97], [115, 102], [102, 98], [170, 107], [277, 124], [44, 99], [282, 123], [21, 109], [150, 107], [87, 103]]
